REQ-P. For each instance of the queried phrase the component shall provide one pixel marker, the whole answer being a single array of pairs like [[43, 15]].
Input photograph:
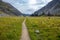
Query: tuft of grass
[[48, 27], [10, 28]]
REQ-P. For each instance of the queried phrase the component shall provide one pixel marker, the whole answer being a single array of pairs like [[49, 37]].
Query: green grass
[[49, 28], [10, 28]]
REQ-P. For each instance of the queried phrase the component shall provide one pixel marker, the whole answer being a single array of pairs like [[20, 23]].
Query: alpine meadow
[[29, 19], [43, 28]]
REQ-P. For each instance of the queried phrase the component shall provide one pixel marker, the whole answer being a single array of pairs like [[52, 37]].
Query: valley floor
[[32, 28]]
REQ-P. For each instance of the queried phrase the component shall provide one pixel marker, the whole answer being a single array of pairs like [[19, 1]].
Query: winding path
[[25, 34]]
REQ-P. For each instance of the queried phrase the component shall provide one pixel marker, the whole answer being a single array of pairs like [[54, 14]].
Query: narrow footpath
[[25, 34]]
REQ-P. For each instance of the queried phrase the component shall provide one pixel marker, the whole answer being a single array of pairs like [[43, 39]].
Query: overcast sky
[[28, 6]]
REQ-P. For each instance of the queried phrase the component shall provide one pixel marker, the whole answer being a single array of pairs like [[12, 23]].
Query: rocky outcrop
[[51, 9], [9, 9]]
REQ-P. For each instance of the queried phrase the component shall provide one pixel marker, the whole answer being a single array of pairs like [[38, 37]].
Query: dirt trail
[[25, 35]]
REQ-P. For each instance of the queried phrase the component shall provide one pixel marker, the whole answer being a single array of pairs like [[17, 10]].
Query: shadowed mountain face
[[52, 8], [6, 8]]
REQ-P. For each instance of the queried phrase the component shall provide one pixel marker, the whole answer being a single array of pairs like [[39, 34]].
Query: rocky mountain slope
[[8, 9], [51, 9]]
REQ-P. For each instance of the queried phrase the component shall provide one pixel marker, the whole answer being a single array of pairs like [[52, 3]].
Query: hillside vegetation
[[10, 28], [9, 9], [44, 28]]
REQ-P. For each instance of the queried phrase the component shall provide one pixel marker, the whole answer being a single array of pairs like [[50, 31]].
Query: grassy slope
[[10, 28], [7, 8], [49, 28], [4, 5], [1, 12]]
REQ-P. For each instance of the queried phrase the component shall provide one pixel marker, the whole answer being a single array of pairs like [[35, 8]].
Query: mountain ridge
[[49, 9], [9, 9]]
